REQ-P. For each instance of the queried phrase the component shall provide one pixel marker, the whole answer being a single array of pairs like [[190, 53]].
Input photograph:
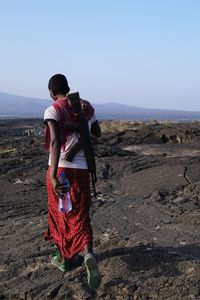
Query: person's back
[[63, 113]]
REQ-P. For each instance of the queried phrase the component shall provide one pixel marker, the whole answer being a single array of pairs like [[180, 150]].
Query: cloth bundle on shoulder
[[85, 140]]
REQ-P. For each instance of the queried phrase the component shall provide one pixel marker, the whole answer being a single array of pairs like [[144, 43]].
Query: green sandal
[[93, 273], [62, 266]]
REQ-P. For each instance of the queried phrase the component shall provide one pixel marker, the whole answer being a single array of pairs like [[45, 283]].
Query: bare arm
[[95, 129], [55, 147]]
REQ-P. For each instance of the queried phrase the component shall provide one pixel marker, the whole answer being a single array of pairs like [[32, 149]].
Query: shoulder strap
[[85, 136]]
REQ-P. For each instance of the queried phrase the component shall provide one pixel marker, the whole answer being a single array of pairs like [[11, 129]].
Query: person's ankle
[[61, 259], [86, 252]]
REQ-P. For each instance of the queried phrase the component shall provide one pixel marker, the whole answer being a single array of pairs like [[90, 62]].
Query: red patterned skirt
[[70, 231]]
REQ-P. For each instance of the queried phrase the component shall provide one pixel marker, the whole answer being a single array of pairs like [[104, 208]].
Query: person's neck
[[61, 96]]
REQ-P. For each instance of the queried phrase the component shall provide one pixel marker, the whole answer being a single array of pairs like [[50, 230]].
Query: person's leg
[[93, 273], [81, 201], [53, 225], [59, 255], [87, 249]]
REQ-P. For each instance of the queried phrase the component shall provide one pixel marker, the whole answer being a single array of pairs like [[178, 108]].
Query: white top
[[79, 161]]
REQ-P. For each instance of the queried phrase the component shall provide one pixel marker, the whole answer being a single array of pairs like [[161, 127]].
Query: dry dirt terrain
[[146, 217]]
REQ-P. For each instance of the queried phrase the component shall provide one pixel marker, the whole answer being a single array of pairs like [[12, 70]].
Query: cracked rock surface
[[146, 217]]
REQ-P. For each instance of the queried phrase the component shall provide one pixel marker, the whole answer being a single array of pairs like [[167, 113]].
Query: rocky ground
[[146, 217]]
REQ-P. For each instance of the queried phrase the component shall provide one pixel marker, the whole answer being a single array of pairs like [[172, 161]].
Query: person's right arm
[[96, 129]]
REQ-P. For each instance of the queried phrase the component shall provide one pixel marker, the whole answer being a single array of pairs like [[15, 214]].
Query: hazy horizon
[[143, 54], [113, 104]]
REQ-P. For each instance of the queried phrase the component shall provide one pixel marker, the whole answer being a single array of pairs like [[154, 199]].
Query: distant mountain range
[[12, 106]]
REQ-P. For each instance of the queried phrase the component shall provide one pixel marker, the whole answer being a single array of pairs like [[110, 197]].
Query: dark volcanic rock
[[145, 218]]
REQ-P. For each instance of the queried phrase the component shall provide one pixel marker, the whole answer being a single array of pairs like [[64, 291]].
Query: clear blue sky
[[144, 53]]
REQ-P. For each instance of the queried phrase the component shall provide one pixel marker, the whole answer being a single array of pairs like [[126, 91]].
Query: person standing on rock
[[71, 232]]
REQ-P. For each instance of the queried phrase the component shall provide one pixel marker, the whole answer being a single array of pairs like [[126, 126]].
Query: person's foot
[[93, 273], [61, 265]]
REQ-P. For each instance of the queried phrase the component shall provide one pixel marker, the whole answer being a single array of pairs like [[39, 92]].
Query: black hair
[[58, 84]]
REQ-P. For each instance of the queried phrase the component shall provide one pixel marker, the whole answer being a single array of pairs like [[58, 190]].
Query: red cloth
[[70, 231], [66, 113]]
